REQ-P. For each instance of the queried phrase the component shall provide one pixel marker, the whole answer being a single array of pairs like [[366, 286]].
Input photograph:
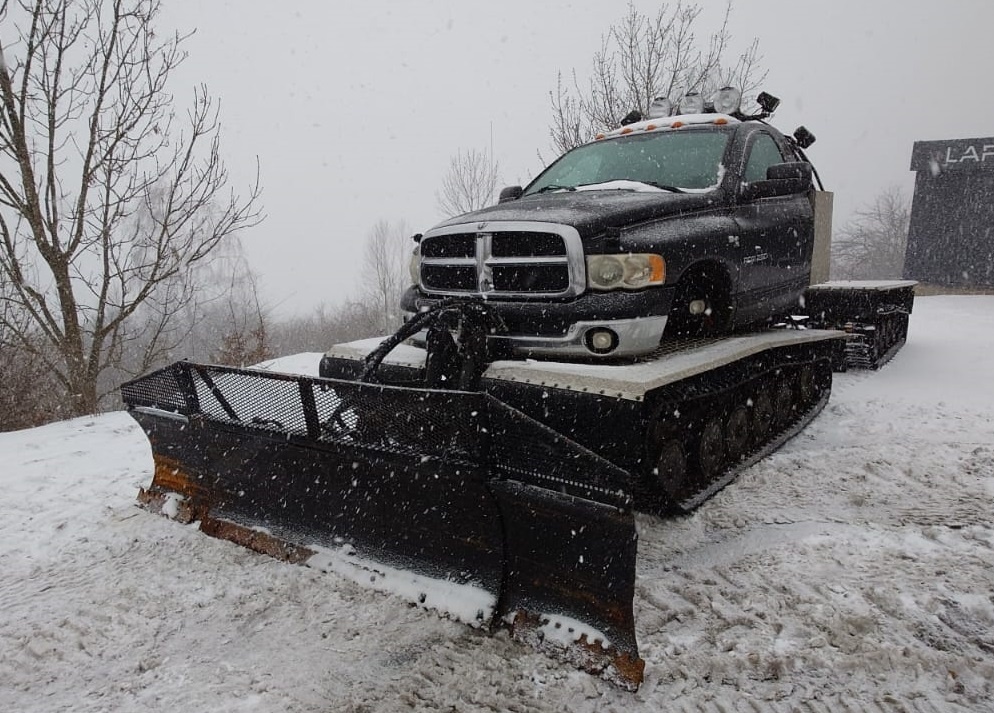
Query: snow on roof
[[668, 123]]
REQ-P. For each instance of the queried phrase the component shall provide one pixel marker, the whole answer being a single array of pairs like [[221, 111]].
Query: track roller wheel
[[807, 386], [783, 403], [710, 451], [875, 345], [762, 414], [737, 433], [670, 473]]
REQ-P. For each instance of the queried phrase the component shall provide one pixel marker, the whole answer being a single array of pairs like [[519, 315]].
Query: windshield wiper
[[554, 187], [671, 189]]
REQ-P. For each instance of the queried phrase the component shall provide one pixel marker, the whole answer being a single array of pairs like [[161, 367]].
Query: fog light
[[601, 341]]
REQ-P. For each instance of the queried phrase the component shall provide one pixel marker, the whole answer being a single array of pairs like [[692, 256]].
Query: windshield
[[674, 159]]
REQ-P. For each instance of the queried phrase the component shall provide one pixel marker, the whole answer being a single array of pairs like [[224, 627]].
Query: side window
[[763, 154]]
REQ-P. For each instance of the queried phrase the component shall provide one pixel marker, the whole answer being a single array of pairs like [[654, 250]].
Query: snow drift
[[851, 570]]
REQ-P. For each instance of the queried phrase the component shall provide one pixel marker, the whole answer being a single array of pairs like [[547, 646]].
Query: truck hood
[[592, 211]]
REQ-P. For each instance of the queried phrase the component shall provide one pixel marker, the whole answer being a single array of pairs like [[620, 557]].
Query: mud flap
[[466, 505]]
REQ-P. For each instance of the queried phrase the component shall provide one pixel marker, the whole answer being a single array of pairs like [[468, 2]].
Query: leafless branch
[[109, 198], [872, 244], [469, 184], [641, 58], [385, 271]]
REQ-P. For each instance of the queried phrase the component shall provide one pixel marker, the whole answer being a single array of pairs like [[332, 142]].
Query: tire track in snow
[[831, 703], [718, 598]]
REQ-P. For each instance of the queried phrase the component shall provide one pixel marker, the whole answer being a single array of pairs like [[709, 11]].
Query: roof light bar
[[660, 107], [727, 100], [692, 103]]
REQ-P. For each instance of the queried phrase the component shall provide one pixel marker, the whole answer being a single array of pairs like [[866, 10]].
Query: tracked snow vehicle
[[441, 465], [874, 313]]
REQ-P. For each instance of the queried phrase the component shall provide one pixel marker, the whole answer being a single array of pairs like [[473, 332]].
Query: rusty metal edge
[[616, 667], [193, 505]]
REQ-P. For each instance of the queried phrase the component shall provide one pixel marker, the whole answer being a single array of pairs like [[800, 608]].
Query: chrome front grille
[[518, 259]]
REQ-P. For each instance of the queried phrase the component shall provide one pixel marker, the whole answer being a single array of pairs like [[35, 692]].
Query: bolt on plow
[[500, 493]]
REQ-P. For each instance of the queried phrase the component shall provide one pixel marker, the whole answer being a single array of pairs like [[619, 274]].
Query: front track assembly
[[704, 435]]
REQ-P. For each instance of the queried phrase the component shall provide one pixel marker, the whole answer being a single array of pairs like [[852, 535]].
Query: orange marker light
[[626, 130], [721, 121], [676, 124], [658, 266], [599, 137]]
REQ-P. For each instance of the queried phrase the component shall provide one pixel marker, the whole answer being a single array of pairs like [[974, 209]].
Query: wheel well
[[708, 278], [709, 273]]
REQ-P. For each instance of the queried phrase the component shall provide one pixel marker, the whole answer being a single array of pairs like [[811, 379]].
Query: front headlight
[[629, 271], [415, 266]]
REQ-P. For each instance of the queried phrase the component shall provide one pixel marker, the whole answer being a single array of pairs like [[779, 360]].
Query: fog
[[353, 110]]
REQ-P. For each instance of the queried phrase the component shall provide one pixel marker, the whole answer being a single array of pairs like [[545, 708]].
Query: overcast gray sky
[[354, 109]]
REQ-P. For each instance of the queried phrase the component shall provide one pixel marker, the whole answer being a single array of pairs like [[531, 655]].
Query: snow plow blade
[[450, 498]]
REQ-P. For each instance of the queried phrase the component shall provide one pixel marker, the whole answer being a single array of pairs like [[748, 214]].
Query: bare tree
[[214, 313], [872, 244], [642, 58], [239, 317], [385, 271], [108, 198], [28, 393], [469, 184], [246, 341], [324, 326]]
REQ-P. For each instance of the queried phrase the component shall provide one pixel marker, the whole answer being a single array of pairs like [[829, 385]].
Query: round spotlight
[[660, 107], [601, 340], [727, 100], [692, 103]]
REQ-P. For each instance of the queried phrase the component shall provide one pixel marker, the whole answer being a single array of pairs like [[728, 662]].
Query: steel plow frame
[[455, 487]]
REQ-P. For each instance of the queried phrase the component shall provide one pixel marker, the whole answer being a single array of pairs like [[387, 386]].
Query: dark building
[[951, 236]]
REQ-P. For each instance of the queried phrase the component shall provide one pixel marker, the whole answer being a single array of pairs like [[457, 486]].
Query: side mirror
[[511, 193], [782, 179], [786, 171]]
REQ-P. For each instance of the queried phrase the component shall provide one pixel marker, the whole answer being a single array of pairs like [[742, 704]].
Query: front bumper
[[634, 337], [636, 321]]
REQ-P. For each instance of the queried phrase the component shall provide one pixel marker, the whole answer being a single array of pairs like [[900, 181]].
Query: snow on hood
[[590, 211]]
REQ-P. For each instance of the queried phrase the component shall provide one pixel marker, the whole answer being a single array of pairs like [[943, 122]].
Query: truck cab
[[689, 224]]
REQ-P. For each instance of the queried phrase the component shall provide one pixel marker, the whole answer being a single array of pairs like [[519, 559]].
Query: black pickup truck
[[682, 225]]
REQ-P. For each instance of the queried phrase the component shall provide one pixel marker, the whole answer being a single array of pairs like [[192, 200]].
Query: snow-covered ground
[[852, 570]]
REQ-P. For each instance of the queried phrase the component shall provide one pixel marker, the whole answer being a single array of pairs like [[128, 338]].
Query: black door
[[774, 239]]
